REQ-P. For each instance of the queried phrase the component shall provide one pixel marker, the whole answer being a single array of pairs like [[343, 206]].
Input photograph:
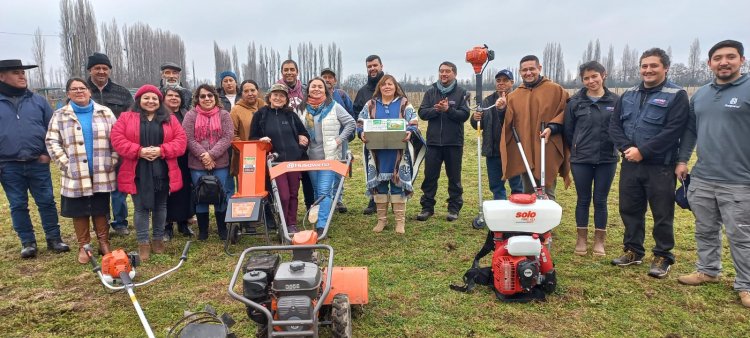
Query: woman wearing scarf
[[391, 171], [180, 206], [78, 142], [329, 126], [277, 124], [149, 139], [209, 132]]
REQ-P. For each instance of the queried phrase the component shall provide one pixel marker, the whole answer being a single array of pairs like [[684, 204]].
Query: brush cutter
[[118, 271], [479, 57]]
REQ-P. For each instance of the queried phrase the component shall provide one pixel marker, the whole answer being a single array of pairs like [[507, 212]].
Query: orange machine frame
[[251, 175]]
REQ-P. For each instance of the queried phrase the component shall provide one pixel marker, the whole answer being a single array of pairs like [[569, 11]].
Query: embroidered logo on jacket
[[659, 102]]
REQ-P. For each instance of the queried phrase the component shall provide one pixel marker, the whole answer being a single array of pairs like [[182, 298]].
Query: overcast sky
[[410, 36]]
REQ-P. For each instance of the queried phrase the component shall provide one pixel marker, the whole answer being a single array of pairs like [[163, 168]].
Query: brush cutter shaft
[[138, 310]]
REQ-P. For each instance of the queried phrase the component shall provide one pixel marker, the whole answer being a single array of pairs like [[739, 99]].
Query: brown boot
[[381, 205], [599, 238], [399, 211], [582, 241], [101, 227], [83, 236], [144, 250], [157, 246]]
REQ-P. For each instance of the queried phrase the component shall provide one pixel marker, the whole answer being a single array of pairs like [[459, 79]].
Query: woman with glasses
[[149, 139], [209, 132], [78, 141]]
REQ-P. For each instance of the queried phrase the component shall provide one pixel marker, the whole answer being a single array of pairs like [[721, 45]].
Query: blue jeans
[[18, 178], [384, 187], [223, 175], [324, 184], [601, 175], [497, 183], [119, 209]]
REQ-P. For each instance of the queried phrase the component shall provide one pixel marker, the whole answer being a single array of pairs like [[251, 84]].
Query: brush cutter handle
[[89, 252], [185, 251]]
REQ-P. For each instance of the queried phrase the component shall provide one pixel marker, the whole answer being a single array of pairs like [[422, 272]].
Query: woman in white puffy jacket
[[329, 125]]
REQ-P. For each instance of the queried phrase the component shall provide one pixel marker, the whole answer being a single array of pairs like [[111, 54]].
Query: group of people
[[159, 144]]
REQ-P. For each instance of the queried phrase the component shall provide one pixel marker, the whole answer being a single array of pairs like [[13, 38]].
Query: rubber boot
[[600, 235], [101, 227], [381, 206], [398, 203], [83, 236], [144, 250], [221, 225], [157, 246], [582, 241], [202, 225]]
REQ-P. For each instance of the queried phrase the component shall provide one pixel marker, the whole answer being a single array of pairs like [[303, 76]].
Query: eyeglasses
[[206, 96], [78, 90]]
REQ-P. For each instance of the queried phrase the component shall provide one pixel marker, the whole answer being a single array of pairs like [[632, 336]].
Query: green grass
[[54, 296]]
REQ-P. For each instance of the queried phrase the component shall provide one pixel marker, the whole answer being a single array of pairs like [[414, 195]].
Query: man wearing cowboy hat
[[24, 161]]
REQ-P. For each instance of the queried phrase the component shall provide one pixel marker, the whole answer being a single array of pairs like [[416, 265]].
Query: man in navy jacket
[[24, 161]]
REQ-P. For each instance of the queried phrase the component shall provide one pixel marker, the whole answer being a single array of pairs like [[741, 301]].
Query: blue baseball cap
[[505, 72], [680, 196]]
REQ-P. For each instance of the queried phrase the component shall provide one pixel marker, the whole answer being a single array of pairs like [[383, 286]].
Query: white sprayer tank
[[535, 216]]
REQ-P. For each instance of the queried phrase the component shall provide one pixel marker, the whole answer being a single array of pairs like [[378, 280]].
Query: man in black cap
[[170, 77], [492, 126], [118, 99], [24, 161], [342, 98], [374, 74]]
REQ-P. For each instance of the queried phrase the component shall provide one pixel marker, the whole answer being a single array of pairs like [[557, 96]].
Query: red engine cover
[[504, 270]]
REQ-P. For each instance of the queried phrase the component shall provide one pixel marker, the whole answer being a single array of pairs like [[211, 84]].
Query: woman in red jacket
[[149, 140]]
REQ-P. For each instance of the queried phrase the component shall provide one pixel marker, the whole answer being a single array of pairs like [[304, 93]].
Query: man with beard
[[170, 77], [118, 99], [364, 94], [445, 108], [24, 161], [719, 191]]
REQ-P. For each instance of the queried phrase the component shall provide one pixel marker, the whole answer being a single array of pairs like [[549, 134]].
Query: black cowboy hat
[[14, 64]]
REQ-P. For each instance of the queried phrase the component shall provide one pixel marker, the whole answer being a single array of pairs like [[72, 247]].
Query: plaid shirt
[[66, 148]]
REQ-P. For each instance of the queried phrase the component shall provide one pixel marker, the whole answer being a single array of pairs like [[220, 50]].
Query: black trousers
[[434, 159], [307, 189], [649, 185]]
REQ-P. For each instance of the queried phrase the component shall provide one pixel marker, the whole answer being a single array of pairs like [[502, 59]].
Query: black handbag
[[209, 190]]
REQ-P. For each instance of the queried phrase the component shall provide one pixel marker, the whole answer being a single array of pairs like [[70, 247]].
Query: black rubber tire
[[341, 316], [478, 223]]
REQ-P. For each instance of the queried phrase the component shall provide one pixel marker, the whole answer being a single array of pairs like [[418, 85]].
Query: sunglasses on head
[[206, 96]]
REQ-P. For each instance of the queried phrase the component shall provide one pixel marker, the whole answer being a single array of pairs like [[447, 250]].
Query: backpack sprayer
[[519, 235], [479, 57]]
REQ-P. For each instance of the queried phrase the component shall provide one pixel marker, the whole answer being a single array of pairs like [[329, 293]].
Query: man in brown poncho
[[536, 100]]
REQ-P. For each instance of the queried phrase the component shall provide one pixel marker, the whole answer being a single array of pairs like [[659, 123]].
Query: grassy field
[[54, 296]]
